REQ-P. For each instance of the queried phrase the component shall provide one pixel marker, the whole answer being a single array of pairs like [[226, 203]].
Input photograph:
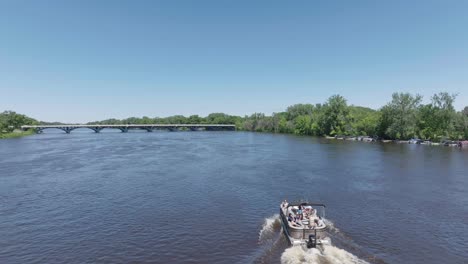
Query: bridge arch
[[126, 127], [65, 129]]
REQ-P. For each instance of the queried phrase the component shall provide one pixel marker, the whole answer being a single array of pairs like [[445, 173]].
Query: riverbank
[[448, 143], [16, 134]]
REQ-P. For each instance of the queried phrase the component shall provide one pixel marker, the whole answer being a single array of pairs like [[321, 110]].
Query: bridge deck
[[132, 125], [124, 128]]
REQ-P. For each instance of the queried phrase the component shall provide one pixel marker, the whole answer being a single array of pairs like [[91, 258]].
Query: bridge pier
[[67, 129], [124, 128], [96, 129]]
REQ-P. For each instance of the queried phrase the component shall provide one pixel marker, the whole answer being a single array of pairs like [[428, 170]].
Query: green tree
[[9, 121], [427, 123], [299, 110], [220, 118], [3, 126], [253, 122], [444, 113], [363, 120], [335, 118], [465, 111], [303, 125], [460, 127], [194, 119], [402, 113], [401, 118]]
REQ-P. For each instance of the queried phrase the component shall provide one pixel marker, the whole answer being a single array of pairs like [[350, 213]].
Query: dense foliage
[[214, 118], [404, 117], [9, 121]]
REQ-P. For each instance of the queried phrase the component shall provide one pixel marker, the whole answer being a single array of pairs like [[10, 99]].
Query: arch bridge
[[126, 128]]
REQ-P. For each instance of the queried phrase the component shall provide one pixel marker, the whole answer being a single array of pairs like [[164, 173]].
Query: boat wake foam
[[270, 240], [329, 254], [270, 229], [272, 244]]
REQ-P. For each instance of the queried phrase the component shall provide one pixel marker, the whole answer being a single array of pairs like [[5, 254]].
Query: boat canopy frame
[[310, 204], [305, 204]]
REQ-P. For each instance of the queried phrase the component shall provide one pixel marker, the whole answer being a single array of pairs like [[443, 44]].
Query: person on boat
[[306, 211], [313, 213], [299, 212], [312, 223], [316, 222], [320, 222], [292, 220], [296, 218]]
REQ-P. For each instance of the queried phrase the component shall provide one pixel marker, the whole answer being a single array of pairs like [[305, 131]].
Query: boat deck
[[301, 222]]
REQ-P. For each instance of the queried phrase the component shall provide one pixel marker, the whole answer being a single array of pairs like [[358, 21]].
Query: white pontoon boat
[[304, 223]]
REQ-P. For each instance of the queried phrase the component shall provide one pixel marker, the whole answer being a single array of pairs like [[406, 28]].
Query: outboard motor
[[312, 242]]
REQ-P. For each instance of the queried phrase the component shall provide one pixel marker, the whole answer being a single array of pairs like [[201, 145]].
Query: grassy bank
[[16, 134]]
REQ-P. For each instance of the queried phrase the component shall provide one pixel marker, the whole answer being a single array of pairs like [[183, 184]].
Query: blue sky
[[79, 61]]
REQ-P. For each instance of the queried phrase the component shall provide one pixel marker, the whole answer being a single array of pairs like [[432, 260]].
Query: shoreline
[[19, 134], [16, 134], [453, 143]]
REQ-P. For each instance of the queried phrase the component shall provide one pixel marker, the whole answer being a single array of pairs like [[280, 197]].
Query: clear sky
[[79, 61]]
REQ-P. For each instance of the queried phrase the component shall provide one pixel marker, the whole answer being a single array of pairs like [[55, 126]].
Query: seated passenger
[[313, 212], [316, 222], [311, 220], [312, 223], [296, 218], [292, 220], [290, 217], [299, 212], [320, 222]]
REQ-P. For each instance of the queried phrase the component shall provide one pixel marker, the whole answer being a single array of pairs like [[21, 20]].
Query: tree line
[[9, 121], [404, 117]]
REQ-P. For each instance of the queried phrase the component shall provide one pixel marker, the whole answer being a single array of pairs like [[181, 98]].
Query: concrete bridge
[[125, 128]]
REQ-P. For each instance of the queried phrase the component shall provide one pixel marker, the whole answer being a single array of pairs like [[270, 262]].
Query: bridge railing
[[125, 127], [131, 125]]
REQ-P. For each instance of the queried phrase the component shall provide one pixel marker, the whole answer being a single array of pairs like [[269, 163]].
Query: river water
[[213, 197]]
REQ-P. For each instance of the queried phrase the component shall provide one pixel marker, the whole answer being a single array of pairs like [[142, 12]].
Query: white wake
[[269, 228], [329, 255]]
